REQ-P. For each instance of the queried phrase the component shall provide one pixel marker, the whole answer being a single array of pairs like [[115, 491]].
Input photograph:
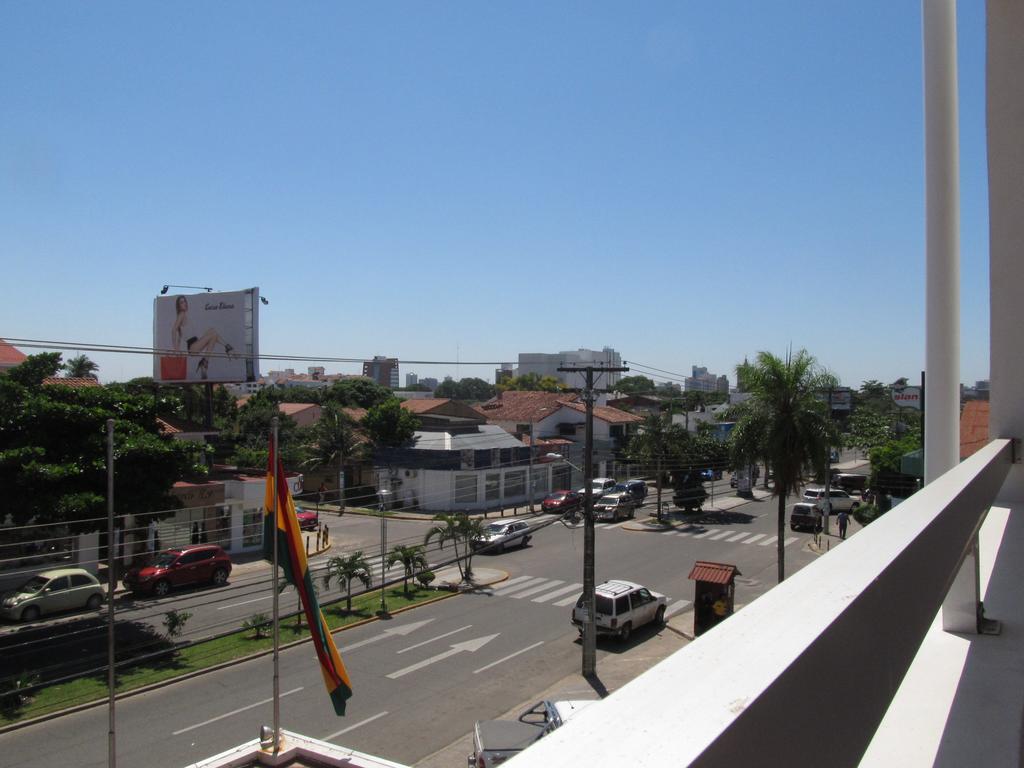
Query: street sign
[[907, 397]]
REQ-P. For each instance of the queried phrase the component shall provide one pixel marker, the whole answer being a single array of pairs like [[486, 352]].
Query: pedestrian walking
[[844, 519]]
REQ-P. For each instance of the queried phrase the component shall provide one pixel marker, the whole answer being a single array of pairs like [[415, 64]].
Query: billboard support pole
[[208, 416]]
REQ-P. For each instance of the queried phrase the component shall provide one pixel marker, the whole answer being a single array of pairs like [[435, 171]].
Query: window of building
[[252, 527], [492, 487], [465, 489], [515, 483]]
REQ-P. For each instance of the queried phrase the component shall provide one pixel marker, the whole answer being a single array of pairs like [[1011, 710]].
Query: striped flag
[[292, 558]]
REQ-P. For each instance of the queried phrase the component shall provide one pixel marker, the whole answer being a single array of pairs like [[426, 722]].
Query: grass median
[[201, 655]]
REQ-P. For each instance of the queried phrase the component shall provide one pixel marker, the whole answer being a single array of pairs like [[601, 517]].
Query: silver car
[[498, 537], [615, 506], [62, 589]]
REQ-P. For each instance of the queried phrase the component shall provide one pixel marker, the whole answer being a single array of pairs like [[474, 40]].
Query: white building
[[544, 364]]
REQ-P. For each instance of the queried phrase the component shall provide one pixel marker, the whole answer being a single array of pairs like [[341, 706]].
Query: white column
[[942, 245]]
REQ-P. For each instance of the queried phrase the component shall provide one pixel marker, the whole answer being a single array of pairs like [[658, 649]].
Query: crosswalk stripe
[[534, 590], [787, 542], [675, 608], [721, 535], [571, 600], [510, 582], [708, 532], [738, 536], [766, 542], [754, 538], [516, 587], [560, 591]]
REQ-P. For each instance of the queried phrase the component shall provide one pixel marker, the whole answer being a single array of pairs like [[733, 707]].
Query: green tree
[[333, 440], [786, 423], [635, 385], [253, 428], [389, 425], [531, 382], [80, 367], [357, 392], [412, 560], [53, 451], [469, 530], [348, 569], [657, 446], [471, 388], [446, 529]]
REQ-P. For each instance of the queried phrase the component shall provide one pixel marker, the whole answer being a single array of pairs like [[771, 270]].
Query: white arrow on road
[[468, 645], [405, 629]]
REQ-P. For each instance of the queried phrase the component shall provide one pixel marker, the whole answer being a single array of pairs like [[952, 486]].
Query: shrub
[[865, 513], [174, 622], [424, 578], [258, 624]]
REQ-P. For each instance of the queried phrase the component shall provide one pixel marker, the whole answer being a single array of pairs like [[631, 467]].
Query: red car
[[196, 564], [308, 518], [562, 501]]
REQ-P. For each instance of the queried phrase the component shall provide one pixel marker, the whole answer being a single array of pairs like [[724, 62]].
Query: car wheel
[[220, 577], [31, 613], [792, 526], [659, 617], [161, 588], [625, 632], [526, 540], [94, 602], [501, 548]]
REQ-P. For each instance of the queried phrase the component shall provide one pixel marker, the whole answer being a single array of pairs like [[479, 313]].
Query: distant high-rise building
[[411, 380], [544, 364], [702, 381], [316, 372], [383, 370]]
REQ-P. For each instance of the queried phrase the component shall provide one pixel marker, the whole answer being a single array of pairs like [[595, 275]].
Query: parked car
[[308, 519], [599, 486], [805, 516], [615, 506], [562, 502], [498, 537], [495, 741], [839, 499], [60, 589], [707, 475], [620, 607], [850, 482], [638, 488], [196, 564]]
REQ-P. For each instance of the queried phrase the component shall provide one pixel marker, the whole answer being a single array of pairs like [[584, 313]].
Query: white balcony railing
[[804, 674]]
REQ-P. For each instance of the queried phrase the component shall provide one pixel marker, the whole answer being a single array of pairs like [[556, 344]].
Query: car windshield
[[165, 558], [33, 585], [495, 528], [558, 495]]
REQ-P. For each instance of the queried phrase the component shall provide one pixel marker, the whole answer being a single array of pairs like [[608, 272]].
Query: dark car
[[308, 518], [805, 516], [637, 488], [562, 501], [198, 564]]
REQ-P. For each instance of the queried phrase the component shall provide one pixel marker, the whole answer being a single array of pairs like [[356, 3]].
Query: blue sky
[[686, 182]]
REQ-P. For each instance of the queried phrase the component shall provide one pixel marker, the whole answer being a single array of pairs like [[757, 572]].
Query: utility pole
[[529, 471], [827, 512], [589, 628]]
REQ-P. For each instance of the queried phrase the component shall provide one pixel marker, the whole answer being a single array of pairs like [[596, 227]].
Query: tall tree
[[356, 392], [470, 388], [635, 385], [445, 529], [412, 560], [348, 569], [658, 446], [389, 425], [785, 422], [80, 367], [532, 382], [334, 440]]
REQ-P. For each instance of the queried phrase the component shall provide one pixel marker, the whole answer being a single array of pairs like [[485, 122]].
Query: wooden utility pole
[[589, 628]]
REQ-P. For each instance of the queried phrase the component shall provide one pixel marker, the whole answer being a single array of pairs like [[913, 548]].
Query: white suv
[[620, 607], [599, 486], [838, 499]]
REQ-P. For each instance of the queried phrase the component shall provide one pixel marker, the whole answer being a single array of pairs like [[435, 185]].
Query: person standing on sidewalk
[[844, 520]]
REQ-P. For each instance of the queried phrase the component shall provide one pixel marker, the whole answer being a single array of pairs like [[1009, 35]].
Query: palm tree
[[658, 441], [412, 560], [346, 569], [469, 529], [446, 530], [80, 367], [334, 440], [786, 423]]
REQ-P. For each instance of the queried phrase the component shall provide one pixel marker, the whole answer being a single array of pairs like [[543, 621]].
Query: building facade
[[544, 364], [383, 370]]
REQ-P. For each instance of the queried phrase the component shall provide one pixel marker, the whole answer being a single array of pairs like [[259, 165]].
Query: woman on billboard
[[195, 343]]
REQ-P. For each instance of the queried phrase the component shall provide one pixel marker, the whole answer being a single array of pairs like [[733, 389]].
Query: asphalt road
[[422, 678]]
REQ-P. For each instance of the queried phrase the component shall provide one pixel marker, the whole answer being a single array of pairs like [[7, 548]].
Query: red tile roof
[[172, 426], [716, 573], [609, 414], [76, 383], [973, 427], [10, 356], [522, 407], [424, 404], [290, 409]]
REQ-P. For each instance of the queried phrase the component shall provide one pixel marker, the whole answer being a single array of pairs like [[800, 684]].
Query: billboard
[[907, 397], [203, 338]]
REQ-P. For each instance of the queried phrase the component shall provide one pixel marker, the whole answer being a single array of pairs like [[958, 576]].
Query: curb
[[223, 665]]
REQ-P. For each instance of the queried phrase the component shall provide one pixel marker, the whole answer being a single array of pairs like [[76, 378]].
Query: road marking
[[557, 592], [400, 631], [755, 537], [787, 542], [535, 590], [738, 536], [470, 645], [529, 583], [439, 637], [516, 580], [708, 532], [675, 608], [234, 712], [571, 600], [721, 535], [244, 602], [766, 542], [354, 726], [510, 656]]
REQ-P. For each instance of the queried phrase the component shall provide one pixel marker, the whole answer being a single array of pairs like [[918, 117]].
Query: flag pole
[[111, 584], [273, 587]]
